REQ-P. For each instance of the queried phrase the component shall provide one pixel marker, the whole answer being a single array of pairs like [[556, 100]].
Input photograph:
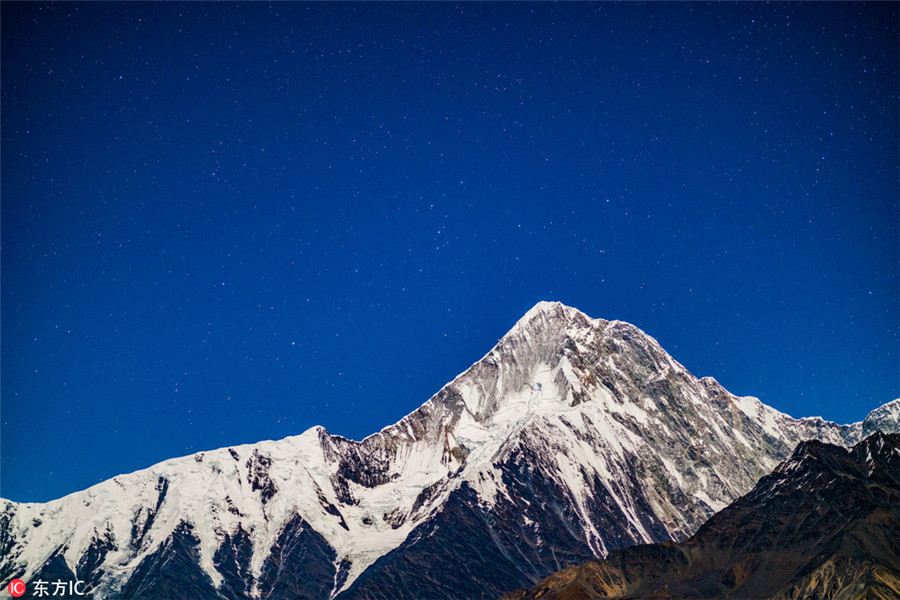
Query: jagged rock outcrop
[[824, 524]]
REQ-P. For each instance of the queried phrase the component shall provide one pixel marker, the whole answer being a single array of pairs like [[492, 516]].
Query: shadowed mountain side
[[824, 524]]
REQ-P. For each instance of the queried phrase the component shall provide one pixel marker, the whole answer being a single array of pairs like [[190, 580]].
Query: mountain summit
[[572, 437]]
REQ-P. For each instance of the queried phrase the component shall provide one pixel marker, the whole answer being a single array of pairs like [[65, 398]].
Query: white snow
[[528, 400]]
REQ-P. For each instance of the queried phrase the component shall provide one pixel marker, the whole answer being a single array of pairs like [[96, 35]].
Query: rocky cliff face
[[824, 524], [572, 437]]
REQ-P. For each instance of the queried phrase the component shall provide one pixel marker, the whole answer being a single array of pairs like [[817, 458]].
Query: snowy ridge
[[635, 447], [821, 525]]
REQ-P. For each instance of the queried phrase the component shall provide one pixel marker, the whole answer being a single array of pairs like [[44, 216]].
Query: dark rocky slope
[[824, 524]]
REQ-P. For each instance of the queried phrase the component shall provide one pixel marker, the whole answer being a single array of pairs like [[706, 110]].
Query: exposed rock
[[824, 524]]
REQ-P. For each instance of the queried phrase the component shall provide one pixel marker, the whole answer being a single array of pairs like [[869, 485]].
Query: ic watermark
[[16, 588], [46, 589]]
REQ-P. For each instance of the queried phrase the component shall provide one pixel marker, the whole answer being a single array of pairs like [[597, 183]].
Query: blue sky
[[223, 223]]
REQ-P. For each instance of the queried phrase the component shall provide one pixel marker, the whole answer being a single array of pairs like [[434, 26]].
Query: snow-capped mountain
[[823, 524], [572, 437]]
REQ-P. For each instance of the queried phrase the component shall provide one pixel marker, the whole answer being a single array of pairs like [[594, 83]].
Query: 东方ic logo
[[16, 588]]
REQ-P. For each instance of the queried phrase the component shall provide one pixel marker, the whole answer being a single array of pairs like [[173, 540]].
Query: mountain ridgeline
[[824, 524], [572, 438]]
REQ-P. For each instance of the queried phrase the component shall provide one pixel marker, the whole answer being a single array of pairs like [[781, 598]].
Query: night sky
[[225, 223]]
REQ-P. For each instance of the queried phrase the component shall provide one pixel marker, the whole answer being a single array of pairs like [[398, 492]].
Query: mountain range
[[824, 524], [572, 438]]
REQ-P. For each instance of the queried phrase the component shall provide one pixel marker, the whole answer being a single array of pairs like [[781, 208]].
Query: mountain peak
[[551, 317], [545, 305], [575, 435], [548, 309], [884, 418]]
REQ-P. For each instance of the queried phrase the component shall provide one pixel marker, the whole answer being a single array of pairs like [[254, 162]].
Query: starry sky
[[224, 223]]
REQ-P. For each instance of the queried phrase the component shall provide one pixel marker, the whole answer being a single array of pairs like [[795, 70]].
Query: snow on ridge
[[160, 496], [542, 308], [892, 407], [452, 438]]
